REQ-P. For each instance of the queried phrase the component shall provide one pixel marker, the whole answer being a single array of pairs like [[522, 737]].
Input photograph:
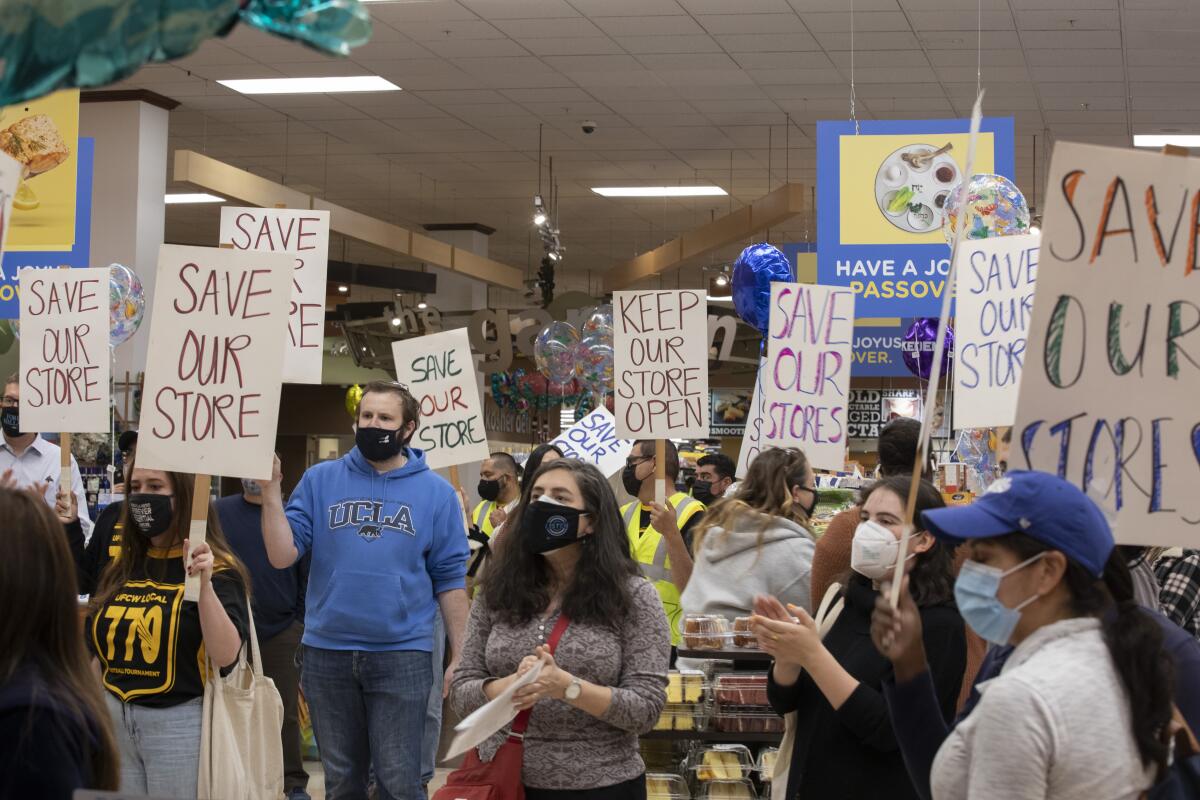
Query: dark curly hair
[[931, 580], [519, 583]]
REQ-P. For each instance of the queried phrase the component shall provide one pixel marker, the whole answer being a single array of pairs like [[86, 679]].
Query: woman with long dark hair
[[55, 734], [605, 682], [153, 645], [844, 742]]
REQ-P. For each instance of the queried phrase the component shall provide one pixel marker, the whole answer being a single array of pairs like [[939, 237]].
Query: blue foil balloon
[[755, 270]]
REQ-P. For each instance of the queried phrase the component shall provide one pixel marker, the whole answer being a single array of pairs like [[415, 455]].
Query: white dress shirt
[[40, 462]]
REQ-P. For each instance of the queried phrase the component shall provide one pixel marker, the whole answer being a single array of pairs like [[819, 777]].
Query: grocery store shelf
[[755, 656], [714, 736]]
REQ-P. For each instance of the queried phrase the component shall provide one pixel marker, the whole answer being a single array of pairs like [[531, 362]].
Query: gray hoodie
[[731, 569]]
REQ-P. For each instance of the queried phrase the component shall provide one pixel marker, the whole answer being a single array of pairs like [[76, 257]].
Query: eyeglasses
[[633, 462], [9, 402]]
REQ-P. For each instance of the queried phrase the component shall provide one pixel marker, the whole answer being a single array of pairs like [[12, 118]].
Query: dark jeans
[[629, 790], [368, 709], [279, 664]]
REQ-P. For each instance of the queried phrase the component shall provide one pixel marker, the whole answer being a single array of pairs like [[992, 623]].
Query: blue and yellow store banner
[[881, 196]]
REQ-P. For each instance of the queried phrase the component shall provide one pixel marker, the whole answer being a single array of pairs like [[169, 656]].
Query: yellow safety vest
[[482, 517], [650, 551]]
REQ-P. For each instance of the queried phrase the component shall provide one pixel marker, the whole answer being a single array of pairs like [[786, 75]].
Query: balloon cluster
[[583, 359], [991, 206], [973, 450], [525, 390], [126, 305]]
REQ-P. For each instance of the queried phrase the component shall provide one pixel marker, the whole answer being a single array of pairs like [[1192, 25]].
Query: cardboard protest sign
[[752, 438], [304, 234], [594, 439], [215, 366], [1108, 398], [806, 380], [10, 179], [65, 362], [995, 281], [440, 373], [660, 350]]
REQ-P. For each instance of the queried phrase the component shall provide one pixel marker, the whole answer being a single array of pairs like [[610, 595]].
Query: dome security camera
[[588, 126]]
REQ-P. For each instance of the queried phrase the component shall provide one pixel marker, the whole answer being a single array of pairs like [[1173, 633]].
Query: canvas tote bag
[[241, 752], [827, 614]]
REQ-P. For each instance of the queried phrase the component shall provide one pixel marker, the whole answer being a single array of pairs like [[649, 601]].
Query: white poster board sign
[[752, 443], [440, 373], [995, 304], [660, 352], [1108, 398], [806, 381], [304, 234], [214, 370], [594, 439], [65, 362], [10, 178]]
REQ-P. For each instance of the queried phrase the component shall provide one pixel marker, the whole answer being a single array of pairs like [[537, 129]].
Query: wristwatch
[[574, 689]]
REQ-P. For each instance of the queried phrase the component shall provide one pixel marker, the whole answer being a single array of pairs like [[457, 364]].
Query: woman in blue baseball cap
[[1085, 689]]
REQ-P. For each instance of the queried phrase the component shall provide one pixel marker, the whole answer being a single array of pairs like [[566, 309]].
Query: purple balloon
[[920, 342]]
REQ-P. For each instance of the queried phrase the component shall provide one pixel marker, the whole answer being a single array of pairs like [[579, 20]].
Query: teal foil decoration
[[46, 45]]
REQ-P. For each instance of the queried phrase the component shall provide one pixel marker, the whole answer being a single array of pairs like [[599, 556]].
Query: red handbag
[[500, 778]]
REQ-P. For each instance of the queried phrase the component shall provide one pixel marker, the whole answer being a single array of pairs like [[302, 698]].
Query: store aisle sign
[[661, 364], [17, 258], [214, 369], [996, 280], [1108, 400], [440, 373], [882, 208], [305, 235], [64, 350], [871, 409], [807, 381], [594, 440]]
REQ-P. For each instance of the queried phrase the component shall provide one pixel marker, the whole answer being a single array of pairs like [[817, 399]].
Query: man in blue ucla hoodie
[[388, 545]]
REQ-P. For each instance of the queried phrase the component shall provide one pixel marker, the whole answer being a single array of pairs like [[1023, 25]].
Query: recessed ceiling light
[[343, 288], [354, 83], [193, 197], [422, 305], [658, 191], [1162, 140]]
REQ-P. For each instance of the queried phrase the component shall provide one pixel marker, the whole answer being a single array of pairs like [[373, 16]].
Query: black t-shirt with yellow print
[[148, 638]]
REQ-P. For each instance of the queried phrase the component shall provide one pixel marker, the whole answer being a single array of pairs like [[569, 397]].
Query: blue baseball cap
[[1040, 505]]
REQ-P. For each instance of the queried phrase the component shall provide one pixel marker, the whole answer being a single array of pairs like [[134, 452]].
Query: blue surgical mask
[[975, 592]]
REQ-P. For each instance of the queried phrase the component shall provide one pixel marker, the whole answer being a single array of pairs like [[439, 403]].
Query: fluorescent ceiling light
[[658, 191], [1164, 139], [355, 83], [195, 197], [722, 299]]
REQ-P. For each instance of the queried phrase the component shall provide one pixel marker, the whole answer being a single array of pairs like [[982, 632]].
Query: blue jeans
[[160, 747], [368, 708], [433, 712]]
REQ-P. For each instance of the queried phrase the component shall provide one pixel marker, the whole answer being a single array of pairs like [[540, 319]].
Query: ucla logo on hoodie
[[368, 516]]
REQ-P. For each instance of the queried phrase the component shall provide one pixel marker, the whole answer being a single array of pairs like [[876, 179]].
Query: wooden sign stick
[[197, 531], [456, 482], [660, 472], [66, 481]]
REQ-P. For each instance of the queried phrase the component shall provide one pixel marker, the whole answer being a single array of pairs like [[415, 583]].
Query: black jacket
[[101, 548], [852, 753]]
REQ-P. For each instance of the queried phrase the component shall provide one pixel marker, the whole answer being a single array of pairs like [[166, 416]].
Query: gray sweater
[[566, 748], [1055, 725], [731, 568]]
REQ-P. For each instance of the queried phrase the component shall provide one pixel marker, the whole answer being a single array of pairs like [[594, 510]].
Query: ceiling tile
[[743, 6], [520, 9], [869, 21], [650, 26], [767, 42], [1069, 20], [638, 45], [751, 23], [1057, 40], [623, 8], [591, 46]]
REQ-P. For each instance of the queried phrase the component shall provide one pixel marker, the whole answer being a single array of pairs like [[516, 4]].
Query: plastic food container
[[742, 689], [728, 790], [746, 720], [663, 786], [681, 717], [766, 763], [686, 686], [742, 635], [706, 632], [721, 762]]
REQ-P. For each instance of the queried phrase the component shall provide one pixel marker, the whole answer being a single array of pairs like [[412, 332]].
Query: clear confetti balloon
[[594, 360], [554, 351], [993, 206], [599, 317], [126, 304]]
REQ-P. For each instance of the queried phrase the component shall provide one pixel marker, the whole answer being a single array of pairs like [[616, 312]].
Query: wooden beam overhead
[[766, 212]]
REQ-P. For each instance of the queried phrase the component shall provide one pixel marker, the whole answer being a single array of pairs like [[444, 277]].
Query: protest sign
[[439, 372], [661, 364], [806, 382], [594, 439], [1109, 397], [995, 280], [213, 373], [304, 234], [65, 362], [752, 443]]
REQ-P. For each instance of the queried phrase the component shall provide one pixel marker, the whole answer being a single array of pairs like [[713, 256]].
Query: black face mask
[[630, 480], [10, 420], [378, 444], [808, 512], [151, 514], [547, 526], [488, 490], [702, 491]]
